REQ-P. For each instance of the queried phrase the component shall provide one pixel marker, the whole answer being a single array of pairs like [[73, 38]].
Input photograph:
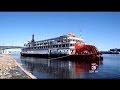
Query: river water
[[108, 68]]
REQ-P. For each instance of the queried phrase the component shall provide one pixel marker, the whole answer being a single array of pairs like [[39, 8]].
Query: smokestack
[[33, 38]]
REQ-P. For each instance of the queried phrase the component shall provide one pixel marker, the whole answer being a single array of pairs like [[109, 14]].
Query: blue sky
[[101, 29]]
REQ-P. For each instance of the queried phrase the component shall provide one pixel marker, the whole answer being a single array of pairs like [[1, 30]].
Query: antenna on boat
[[80, 32]]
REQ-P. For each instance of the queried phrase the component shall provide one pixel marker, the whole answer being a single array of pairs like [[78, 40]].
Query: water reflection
[[58, 68]]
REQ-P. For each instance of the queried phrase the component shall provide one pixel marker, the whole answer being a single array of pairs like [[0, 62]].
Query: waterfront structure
[[4, 48], [116, 50], [67, 46]]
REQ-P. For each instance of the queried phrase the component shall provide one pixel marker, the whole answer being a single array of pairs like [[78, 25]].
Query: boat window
[[63, 45], [53, 46], [68, 40], [59, 45], [56, 46], [67, 45], [71, 44], [58, 41]]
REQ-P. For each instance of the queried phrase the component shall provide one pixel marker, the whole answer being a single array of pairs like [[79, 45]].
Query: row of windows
[[48, 43], [53, 46]]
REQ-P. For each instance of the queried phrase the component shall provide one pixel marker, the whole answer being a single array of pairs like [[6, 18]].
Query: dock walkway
[[9, 69]]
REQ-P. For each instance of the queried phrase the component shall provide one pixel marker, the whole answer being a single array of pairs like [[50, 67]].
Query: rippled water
[[109, 68]]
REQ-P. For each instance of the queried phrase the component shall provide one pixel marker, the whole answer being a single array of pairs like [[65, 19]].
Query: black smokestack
[[33, 38]]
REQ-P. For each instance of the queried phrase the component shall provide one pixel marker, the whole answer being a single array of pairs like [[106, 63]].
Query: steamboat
[[67, 47]]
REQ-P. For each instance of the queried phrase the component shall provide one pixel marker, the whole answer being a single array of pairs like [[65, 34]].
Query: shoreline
[[26, 72], [10, 69]]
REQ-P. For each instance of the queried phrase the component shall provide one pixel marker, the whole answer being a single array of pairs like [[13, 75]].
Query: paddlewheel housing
[[87, 50]]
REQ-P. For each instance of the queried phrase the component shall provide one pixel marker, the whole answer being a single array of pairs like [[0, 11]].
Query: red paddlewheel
[[85, 49]]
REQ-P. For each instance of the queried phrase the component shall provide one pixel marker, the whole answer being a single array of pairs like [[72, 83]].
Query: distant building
[[115, 50], [111, 51]]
